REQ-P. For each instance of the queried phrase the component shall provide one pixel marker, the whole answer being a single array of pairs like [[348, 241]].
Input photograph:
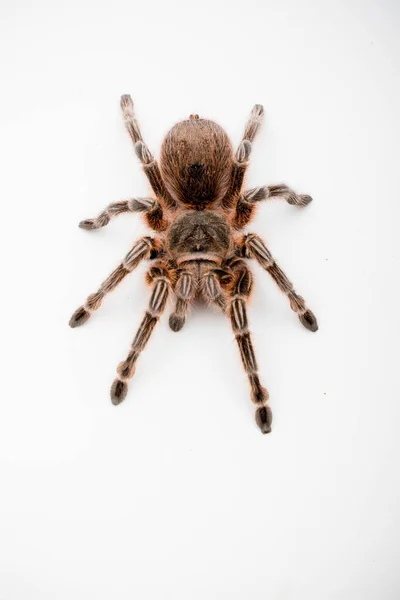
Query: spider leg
[[149, 206], [159, 296], [212, 291], [141, 249], [148, 161], [242, 156], [185, 290], [255, 247], [254, 123], [239, 295], [246, 202]]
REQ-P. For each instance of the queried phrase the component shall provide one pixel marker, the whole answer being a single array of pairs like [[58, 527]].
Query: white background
[[175, 494]]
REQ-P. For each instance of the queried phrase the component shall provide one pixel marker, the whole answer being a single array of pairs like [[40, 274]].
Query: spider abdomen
[[196, 162]]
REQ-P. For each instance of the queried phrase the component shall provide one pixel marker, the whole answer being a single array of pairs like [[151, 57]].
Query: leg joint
[[139, 250], [258, 249]]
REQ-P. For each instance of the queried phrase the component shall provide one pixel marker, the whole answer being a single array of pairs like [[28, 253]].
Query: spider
[[198, 211]]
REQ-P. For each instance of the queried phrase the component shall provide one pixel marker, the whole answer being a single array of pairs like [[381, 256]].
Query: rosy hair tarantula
[[198, 212]]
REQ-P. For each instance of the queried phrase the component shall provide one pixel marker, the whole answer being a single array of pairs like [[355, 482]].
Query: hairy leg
[[238, 315], [247, 201], [255, 247], [149, 206], [212, 291], [242, 156], [143, 248], [148, 161], [158, 300], [185, 290]]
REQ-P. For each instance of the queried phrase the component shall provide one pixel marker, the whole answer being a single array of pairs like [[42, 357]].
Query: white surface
[[176, 494]]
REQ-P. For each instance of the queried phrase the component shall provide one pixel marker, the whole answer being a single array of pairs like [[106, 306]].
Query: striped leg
[[212, 290], [149, 163], [238, 317], [158, 300], [150, 207], [256, 248], [178, 317], [246, 203], [242, 156], [140, 250], [185, 290], [254, 123]]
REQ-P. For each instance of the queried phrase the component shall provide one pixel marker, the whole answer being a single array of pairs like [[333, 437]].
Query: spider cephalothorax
[[199, 210], [195, 231]]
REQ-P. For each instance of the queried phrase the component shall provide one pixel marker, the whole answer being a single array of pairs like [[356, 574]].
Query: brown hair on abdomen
[[196, 162]]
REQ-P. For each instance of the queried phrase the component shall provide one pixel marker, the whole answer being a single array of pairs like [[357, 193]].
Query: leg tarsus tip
[[176, 323], [299, 200], [126, 100], [264, 418], [305, 199], [87, 224], [80, 316], [258, 111], [118, 391], [309, 321]]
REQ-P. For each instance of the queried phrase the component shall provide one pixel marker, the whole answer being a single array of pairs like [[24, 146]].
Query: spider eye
[[196, 169]]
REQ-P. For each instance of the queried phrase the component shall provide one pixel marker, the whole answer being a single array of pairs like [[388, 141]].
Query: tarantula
[[198, 212]]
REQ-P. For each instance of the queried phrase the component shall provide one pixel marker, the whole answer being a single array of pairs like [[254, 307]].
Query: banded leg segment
[[242, 156], [150, 207], [284, 191], [246, 203], [126, 369], [238, 316], [143, 248], [185, 290], [254, 123], [212, 291], [148, 161], [256, 248]]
